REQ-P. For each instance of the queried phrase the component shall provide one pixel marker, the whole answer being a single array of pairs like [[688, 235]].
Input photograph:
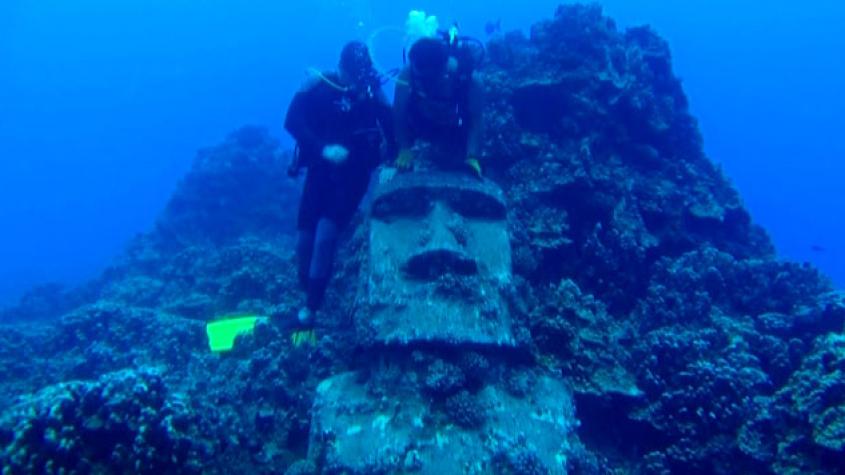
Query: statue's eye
[[414, 197], [476, 205], [402, 203]]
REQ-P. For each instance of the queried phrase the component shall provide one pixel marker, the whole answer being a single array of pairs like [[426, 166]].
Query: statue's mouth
[[432, 263]]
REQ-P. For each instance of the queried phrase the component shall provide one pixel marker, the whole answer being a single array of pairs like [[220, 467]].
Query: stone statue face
[[439, 257]]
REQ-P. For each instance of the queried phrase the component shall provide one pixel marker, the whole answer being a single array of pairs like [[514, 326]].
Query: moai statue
[[439, 259], [439, 263]]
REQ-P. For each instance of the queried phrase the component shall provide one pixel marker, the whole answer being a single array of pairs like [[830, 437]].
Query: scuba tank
[[468, 51]]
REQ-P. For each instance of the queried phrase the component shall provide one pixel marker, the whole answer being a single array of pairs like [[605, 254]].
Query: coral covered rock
[[123, 421]]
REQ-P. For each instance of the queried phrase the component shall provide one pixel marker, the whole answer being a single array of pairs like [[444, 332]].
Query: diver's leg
[[458, 146], [304, 253], [325, 241], [310, 209]]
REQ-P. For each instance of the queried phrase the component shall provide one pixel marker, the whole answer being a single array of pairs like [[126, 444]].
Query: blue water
[[103, 104]]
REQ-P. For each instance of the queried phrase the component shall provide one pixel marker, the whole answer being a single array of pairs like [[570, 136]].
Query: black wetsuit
[[322, 115], [450, 119]]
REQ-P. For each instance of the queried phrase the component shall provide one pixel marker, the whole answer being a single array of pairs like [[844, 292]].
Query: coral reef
[[443, 379], [521, 463], [641, 297], [242, 189], [124, 421], [801, 427], [465, 411], [43, 302]]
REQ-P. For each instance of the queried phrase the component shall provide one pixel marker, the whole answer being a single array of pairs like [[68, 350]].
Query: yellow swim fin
[[222, 333], [303, 337]]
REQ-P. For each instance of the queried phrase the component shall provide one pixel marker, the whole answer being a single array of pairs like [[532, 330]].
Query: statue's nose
[[443, 229], [443, 252]]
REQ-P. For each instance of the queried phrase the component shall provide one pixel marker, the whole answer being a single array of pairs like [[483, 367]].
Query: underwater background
[[104, 104], [647, 280]]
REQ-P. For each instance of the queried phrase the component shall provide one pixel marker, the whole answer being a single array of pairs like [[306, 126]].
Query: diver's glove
[[403, 161], [335, 153], [475, 166]]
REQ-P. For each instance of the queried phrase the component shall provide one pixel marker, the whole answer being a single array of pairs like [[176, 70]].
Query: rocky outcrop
[[123, 421], [639, 288]]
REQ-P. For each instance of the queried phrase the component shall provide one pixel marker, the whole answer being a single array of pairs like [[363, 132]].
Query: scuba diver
[[439, 99], [341, 122]]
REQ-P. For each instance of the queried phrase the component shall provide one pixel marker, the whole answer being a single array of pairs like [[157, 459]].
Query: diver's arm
[[476, 109], [296, 123], [386, 122], [400, 110]]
